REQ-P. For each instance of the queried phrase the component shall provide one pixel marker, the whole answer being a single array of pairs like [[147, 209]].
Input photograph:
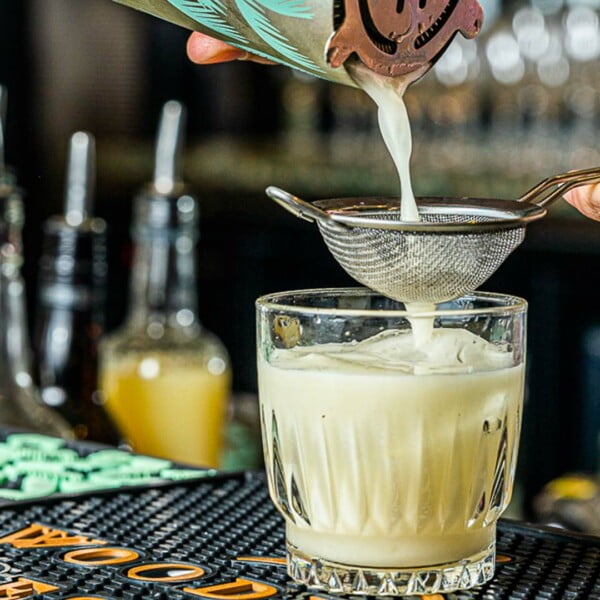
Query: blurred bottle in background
[[165, 379], [20, 404], [70, 307]]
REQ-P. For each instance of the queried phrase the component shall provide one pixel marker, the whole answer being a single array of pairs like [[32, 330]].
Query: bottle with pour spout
[[70, 307], [20, 403], [165, 379]]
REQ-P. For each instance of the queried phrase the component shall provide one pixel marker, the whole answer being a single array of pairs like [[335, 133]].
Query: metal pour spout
[[81, 179], [169, 148]]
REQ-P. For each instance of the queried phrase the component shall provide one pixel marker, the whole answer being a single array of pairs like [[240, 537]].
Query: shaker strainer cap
[[458, 244], [397, 38]]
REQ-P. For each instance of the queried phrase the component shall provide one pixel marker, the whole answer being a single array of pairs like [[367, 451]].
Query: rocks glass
[[390, 438]]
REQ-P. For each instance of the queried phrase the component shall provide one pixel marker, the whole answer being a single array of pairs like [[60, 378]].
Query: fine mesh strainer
[[458, 244]]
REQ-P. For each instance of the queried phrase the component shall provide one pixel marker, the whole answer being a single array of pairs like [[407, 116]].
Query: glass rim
[[512, 304]]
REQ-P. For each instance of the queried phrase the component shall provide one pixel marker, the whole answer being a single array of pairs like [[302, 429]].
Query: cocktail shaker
[[319, 36]]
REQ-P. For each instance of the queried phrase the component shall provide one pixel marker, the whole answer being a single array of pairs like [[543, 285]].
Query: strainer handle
[[298, 207], [551, 189]]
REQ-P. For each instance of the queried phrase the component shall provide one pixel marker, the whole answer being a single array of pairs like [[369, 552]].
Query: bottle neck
[[164, 284], [14, 343], [15, 357], [11, 215], [72, 268]]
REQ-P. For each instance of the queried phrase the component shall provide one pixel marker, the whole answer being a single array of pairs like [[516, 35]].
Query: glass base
[[350, 579]]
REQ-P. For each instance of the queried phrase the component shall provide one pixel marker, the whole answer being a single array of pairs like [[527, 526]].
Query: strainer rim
[[516, 214], [269, 302]]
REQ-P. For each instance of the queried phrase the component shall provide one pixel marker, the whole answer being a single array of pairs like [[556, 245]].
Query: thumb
[[586, 199]]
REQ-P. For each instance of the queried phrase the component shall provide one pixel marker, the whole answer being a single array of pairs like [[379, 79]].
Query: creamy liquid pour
[[394, 124], [422, 327]]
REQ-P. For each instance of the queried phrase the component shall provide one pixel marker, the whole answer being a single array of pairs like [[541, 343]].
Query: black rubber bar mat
[[220, 538]]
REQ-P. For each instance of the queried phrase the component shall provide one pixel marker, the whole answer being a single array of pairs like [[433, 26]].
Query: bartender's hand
[[204, 50], [586, 199]]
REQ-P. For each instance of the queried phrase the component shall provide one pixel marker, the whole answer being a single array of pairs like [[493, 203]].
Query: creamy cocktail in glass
[[390, 456]]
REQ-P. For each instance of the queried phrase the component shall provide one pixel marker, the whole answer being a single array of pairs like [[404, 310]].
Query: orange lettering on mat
[[180, 572], [40, 536], [502, 559], [95, 557], [269, 560], [24, 588], [240, 589]]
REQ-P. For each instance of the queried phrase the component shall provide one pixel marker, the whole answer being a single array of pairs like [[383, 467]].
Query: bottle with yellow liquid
[[165, 379]]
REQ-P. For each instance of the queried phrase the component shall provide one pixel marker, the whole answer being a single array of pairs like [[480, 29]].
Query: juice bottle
[[165, 379]]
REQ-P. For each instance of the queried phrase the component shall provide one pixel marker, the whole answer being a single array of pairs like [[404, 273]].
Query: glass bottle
[[20, 404], [165, 379], [70, 308]]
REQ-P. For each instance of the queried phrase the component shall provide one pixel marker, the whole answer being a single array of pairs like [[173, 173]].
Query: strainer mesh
[[427, 267]]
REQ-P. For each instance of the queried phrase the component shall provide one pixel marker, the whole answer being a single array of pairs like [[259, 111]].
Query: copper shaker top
[[399, 37]]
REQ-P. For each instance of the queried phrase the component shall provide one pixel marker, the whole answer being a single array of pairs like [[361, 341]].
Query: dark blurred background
[[492, 119]]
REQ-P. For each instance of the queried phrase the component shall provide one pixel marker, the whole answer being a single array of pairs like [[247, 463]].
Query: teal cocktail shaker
[[391, 37]]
